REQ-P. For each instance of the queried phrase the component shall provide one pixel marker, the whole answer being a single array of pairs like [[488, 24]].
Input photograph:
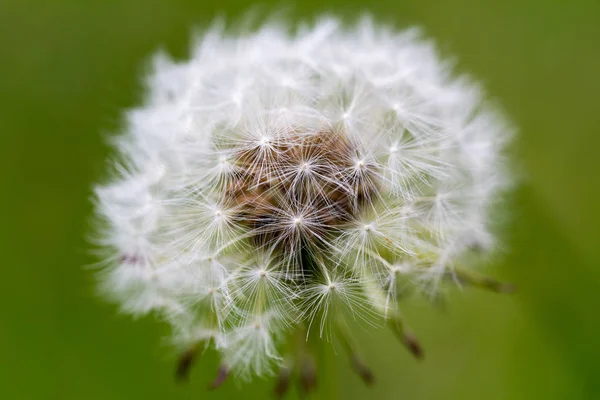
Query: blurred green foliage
[[69, 68]]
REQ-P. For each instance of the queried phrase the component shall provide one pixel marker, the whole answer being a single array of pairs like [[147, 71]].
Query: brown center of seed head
[[296, 191]]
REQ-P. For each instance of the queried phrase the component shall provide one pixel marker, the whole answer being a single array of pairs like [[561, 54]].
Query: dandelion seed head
[[277, 182]]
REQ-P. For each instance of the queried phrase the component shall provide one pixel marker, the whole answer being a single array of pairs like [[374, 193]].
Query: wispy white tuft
[[275, 182]]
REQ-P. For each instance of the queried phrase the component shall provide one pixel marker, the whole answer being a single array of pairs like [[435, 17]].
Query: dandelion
[[275, 187]]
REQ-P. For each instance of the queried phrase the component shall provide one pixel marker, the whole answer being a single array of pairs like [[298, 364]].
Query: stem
[[328, 382], [355, 361], [305, 362], [406, 337], [482, 281]]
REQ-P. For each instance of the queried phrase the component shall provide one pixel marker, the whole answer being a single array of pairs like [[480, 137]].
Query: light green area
[[68, 68]]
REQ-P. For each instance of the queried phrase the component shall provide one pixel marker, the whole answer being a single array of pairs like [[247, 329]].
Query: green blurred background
[[68, 69]]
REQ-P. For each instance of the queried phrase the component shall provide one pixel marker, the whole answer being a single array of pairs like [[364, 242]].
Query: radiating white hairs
[[277, 182]]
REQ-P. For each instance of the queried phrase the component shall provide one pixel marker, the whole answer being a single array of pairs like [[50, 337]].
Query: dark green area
[[68, 69]]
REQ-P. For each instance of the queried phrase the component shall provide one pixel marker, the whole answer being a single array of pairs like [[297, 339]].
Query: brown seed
[[221, 377], [184, 364], [304, 177]]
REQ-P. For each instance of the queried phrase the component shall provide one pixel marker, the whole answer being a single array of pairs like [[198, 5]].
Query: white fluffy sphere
[[277, 182]]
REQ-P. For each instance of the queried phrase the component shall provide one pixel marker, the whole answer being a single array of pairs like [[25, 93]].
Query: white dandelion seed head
[[278, 181]]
